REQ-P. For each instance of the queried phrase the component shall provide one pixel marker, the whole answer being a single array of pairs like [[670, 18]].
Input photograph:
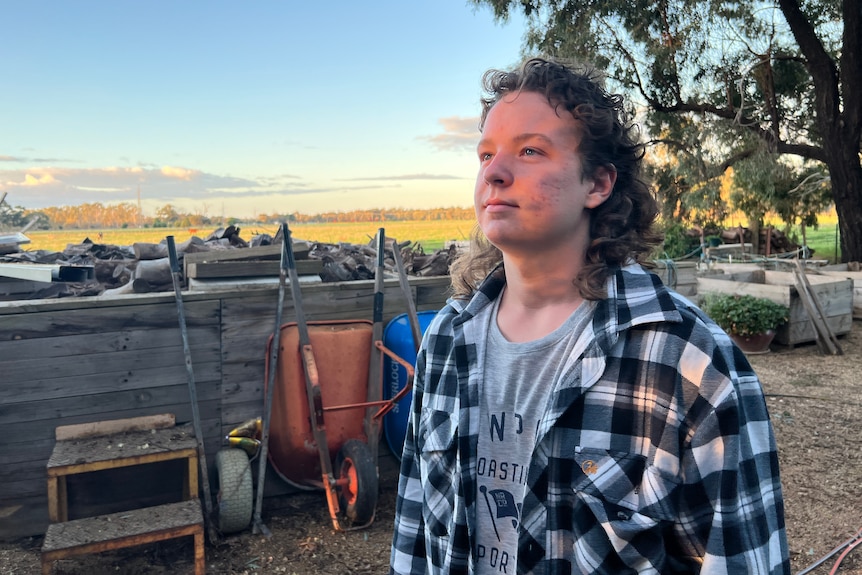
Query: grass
[[431, 235], [823, 240]]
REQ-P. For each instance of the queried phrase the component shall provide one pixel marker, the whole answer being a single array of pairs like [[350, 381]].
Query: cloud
[[42, 187], [179, 173], [402, 177], [30, 180], [19, 160], [459, 134], [37, 188]]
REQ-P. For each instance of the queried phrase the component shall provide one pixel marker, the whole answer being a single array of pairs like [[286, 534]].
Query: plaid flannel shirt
[[655, 454]]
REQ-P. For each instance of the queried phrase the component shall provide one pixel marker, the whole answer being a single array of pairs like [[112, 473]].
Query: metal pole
[[193, 395], [375, 375], [412, 316], [258, 525]]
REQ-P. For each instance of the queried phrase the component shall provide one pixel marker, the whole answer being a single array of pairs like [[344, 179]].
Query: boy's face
[[531, 193]]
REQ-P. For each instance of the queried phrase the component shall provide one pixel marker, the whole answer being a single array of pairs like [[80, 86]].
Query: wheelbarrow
[[327, 406]]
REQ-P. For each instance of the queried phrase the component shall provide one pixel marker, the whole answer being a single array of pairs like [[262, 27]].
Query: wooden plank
[[46, 377], [216, 270], [130, 461], [301, 250], [120, 378], [96, 320], [105, 403], [817, 322], [128, 528], [77, 345], [122, 447], [752, 276], [97, 428], [776, 293]]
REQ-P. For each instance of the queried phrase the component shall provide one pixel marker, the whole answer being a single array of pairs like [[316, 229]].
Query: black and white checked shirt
[[655, 454]]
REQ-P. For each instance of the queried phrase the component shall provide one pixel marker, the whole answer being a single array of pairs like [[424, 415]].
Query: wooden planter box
[[843, 271], [835, 296]]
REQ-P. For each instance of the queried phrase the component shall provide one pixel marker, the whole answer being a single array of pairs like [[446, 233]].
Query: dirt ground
[[816, 406]]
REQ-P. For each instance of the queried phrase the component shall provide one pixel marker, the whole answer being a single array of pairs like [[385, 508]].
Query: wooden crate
[[835, 296], [843, 271]]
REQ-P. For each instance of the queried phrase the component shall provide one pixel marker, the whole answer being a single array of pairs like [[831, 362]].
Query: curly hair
[[622, 228]]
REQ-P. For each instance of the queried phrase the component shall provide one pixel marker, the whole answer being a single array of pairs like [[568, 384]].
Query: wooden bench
[[110, 445], [125, 529]]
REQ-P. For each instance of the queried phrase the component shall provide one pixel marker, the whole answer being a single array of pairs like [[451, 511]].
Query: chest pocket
[[438, 433], [627, 497], [437, 430]]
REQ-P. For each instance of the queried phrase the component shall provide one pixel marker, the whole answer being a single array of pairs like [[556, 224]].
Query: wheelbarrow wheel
[[235, 490], [357, 494]]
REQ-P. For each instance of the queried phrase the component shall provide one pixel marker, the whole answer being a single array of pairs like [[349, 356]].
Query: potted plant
[[749, 321]]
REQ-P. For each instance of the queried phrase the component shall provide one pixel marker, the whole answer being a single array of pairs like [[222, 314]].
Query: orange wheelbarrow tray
[[330, 412]]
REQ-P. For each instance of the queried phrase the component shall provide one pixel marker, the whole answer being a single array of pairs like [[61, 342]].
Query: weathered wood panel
[[842, 271], [109, 341], [102, 319]]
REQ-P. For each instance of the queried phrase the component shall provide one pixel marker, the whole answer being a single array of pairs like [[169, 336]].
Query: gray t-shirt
[[519, 378]]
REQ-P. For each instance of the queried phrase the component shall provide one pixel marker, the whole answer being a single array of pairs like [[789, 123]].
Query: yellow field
[[431, 235]]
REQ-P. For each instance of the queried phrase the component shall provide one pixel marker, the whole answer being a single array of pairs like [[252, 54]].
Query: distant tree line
[[127, 215], [373, 215]]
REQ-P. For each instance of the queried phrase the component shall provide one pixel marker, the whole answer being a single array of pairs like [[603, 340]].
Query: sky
[[229, 108]]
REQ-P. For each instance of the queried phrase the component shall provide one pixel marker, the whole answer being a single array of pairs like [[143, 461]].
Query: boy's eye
[[485, 157], [529, 152]]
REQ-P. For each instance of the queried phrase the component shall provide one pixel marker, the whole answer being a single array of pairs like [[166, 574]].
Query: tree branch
[[820, 65]]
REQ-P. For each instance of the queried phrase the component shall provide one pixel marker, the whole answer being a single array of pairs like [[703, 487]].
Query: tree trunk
[[846, 175]]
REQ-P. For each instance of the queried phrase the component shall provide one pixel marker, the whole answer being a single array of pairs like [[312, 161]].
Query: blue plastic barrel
[[398, 336]]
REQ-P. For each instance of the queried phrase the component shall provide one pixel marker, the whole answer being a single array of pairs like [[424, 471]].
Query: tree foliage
[[719, 81]]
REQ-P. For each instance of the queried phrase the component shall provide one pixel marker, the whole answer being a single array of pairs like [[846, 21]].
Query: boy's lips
[[497, 203], [497, 207]]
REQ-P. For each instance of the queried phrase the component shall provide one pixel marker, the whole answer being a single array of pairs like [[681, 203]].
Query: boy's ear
[[603, 184]]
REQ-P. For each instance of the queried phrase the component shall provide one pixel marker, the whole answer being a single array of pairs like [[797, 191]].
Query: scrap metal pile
[[93, 268]]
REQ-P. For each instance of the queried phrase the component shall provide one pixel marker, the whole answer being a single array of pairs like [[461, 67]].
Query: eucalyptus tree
[[719, 81]]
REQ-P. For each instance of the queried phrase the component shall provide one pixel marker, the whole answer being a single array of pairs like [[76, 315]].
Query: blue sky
[[241, 108]]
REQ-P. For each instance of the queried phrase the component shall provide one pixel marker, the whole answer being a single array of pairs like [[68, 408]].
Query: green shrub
[[744, 314], [677, 243]]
